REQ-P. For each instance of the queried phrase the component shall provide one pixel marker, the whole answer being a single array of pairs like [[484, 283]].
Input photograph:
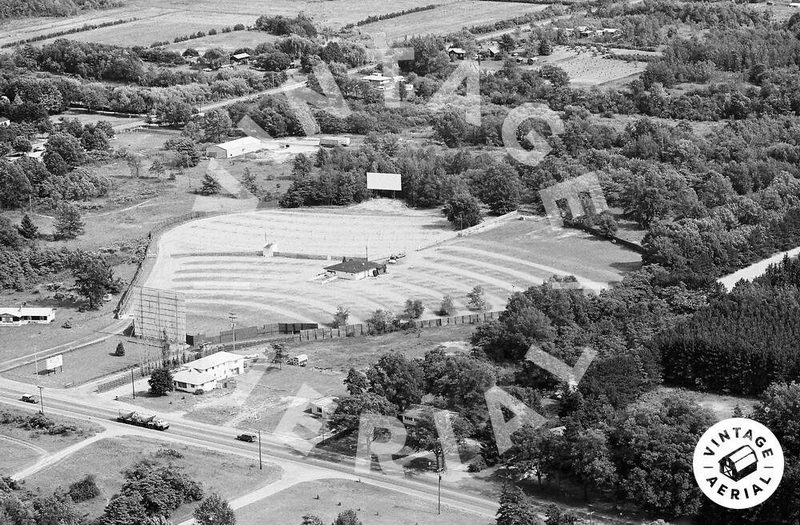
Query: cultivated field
[[208, 261], [449, 18], [165, 20]]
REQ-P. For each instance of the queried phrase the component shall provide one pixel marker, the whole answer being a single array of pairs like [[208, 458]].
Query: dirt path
[[755, 270]]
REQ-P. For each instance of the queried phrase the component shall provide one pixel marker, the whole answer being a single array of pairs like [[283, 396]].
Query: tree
[[311, 520], [123, 509], [249, 181], [84, 489], [15, 188], [507, 43], [134, 162], [476, 299], [68, 147], [347, 415], [157, 168], [68, 223], [160, 381], [447, 308], [348, 517], [21, 144], [210, 185], [380, 322], [340, 317], [56, 509], [414, 309], [545, 47], [356, 382], [514, 508], [556, 516], [398, 379], [27, 229], [93, 278], [463, 211], [120, 351], [9, 235], [501, 188], [214, 511], [216, 125]]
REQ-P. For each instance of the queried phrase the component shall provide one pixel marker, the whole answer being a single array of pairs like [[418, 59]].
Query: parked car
[[298, 360], [247, 438], [29, 398]]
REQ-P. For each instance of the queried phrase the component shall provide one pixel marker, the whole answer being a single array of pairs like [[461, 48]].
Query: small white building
[[234, 148], [192, 381], [355, 269], [324, 407], [379, 80], [4, 122], [22, 315]]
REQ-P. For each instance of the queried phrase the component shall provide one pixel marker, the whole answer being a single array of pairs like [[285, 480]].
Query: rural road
[[97, 409]]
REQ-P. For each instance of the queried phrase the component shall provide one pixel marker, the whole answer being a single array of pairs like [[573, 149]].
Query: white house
[[379, 80], [355, 269], [192, 381], [220, 365], [234, 148], [324, 407], [22, 315]]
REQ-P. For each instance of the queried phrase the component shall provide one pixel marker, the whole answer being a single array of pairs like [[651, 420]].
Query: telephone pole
[[133, 385], [260, 464], [41, 400], [232, 316]]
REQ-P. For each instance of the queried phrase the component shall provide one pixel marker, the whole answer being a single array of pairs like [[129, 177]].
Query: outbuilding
[[355, 269], [234, 148], [330, 142], [22, 315], [324, 407]]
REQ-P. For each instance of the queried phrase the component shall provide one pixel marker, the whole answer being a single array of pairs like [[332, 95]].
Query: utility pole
[[36, 362], [133, 385], [439, 499], [41, 400], [260, 464], [232, 316]]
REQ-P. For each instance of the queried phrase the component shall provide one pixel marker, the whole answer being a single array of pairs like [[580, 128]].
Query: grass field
[[449, 18], [374, 506], [510, 257], [107, 458]]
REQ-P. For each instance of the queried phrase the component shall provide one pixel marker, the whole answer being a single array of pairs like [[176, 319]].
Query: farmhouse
[[324, 407], [20, 316], [218, 366], [414, 413], [234, 148], [456, 53], [192, 381], [354, 269]]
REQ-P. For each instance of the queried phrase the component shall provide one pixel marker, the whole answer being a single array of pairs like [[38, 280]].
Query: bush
[[414, 309], [477, 465], [477, 301], [84, 490], [120, 351], [447, 308], [381, 322]]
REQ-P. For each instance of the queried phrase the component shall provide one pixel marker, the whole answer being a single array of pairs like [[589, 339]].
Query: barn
[[234, 148], [355, 269]]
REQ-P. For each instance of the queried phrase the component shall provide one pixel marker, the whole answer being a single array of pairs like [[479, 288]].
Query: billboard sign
[[384, 181], [54, 362]]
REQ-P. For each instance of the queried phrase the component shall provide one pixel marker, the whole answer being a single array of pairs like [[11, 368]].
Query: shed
[[334, 141], [456, 53], [241, 57], [378, 80], [414, 413], [324, 407], [234, 148], [354, 269]]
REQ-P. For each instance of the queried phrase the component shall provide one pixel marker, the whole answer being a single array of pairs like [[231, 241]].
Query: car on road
[[247, 438], [29, 398]]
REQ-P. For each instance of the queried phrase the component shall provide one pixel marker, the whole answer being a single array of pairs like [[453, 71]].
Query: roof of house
[[241, 56], [20, 311], [376, 78], [213, 360], [325, 402], [456, 50], [192, 377], [353, 266], [244, 142]]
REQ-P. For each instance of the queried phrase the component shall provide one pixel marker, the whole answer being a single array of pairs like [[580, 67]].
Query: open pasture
[[215, 263], [449, 18]]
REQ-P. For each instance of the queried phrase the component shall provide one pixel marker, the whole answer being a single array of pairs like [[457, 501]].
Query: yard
[[374, 506], [106, 459]]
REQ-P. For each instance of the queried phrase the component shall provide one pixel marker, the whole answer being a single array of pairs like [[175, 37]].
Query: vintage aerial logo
[[738, 463]]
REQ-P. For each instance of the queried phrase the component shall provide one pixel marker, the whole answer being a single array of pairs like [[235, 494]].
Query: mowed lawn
[[374, 506], [228, 475]]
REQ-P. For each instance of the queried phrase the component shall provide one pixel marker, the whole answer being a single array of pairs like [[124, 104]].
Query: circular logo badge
[[738, 463]]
